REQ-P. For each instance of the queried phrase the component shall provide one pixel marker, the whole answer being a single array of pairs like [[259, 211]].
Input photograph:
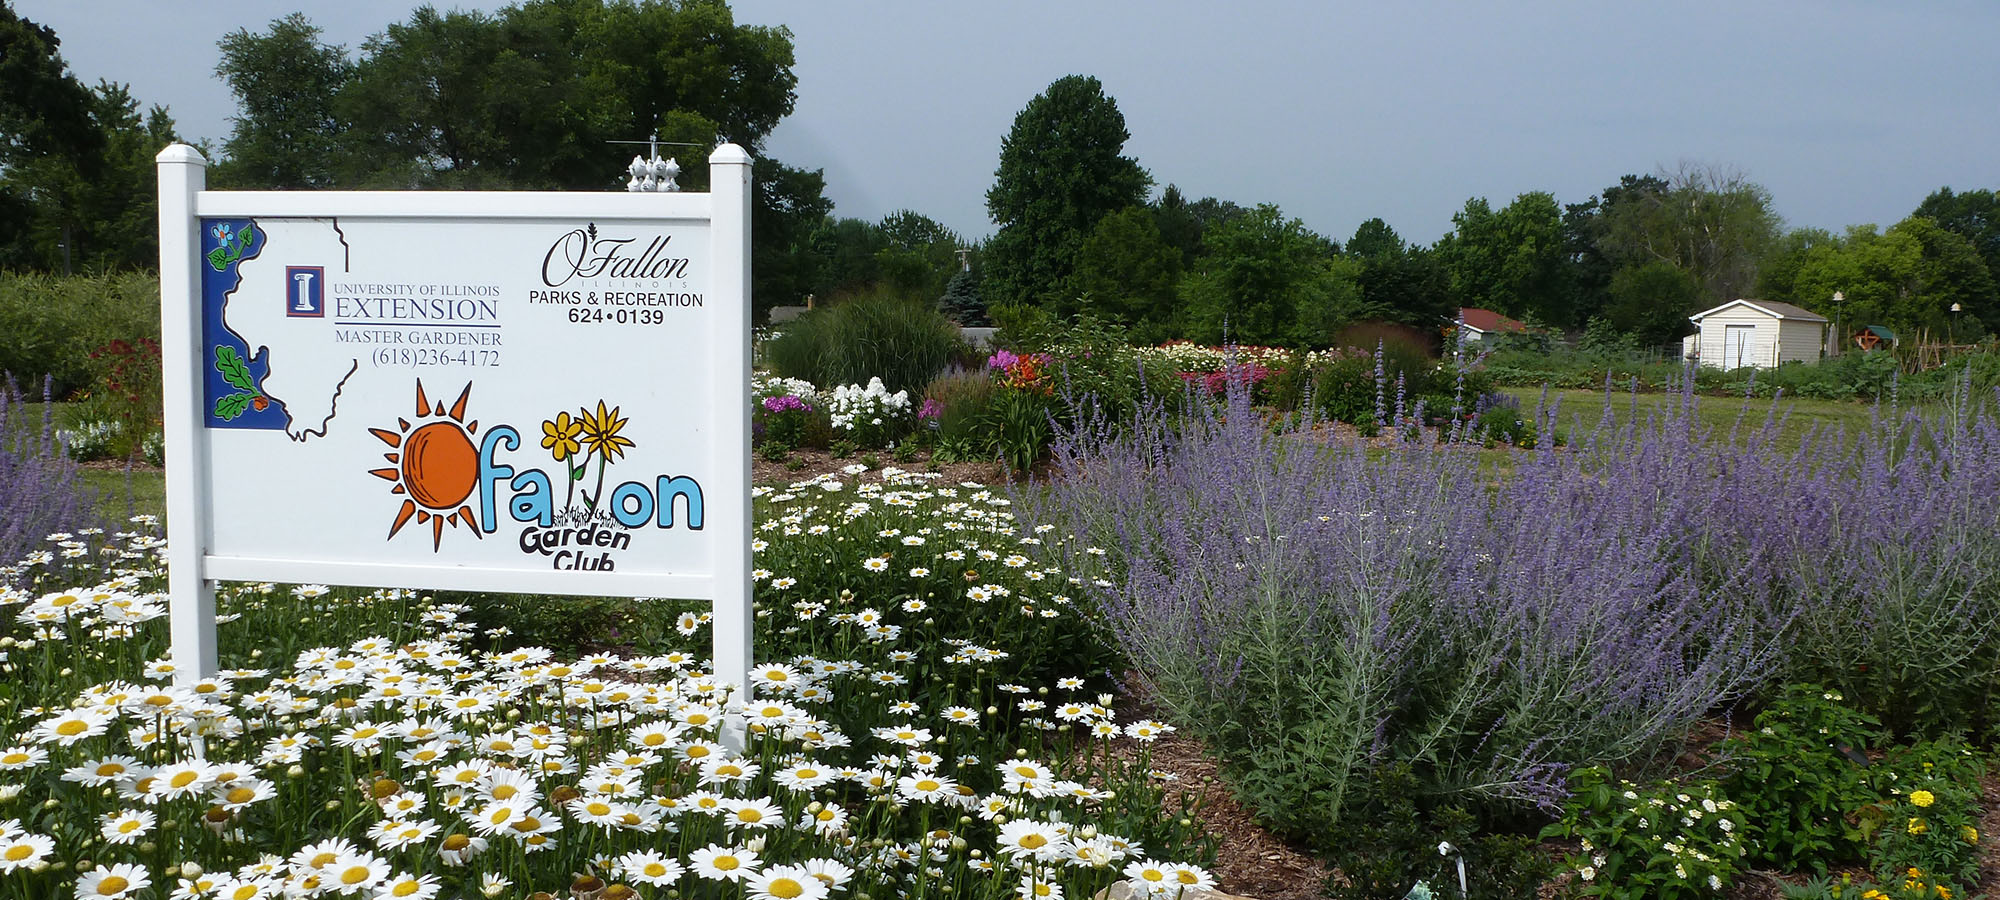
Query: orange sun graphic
[[436, 467]]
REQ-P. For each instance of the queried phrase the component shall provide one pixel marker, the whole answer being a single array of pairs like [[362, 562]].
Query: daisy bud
[[83, 865], [191, 869], [51, 803], [296, 772], [66, 672], [332, 805], [173, 872]]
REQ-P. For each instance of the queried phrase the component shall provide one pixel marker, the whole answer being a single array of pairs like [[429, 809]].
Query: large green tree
[[286, 133], [1712, 222], [1267, 279], [49, 142], [1127, 273], [1906, 278], [1512, 261], [531, 96], [1061, 170], [1973, 215]]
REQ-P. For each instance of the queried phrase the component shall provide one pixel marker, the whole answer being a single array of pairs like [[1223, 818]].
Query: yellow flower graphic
[[1921, 799], [600, 432], [559, 436]]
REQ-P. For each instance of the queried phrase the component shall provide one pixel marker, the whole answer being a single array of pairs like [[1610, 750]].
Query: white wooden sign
[[522, 392]]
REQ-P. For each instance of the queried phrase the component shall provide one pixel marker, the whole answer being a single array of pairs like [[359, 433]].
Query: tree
[[1906, 278], [1270, 280], [920, 256], [44, 110], [1127, 273], [1593, 260], [1409, 285], [1374, 238], [530, 97], [50, 144], [788, 205], [1060, 172], [1512, 262], [1714, 223], [1973, 215], [1651, 302], [286, 133], [1176, 222], [846, 256], [961, 302]]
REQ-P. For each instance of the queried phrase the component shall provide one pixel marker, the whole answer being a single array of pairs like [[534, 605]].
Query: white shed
[[1757, 333]]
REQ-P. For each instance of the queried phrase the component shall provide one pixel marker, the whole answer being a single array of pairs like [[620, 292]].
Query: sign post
[[501, 391]]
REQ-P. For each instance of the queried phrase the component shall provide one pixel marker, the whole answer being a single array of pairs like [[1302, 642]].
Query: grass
[[1580, 411]]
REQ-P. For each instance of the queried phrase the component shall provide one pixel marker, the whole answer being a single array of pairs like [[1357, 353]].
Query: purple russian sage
[[40, 491], [1314, 611]]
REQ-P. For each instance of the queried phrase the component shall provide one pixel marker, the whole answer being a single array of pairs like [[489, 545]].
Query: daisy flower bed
[[931, 725]]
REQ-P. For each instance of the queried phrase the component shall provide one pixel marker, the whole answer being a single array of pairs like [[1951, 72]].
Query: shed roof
[[1487, 321], [1771, 308]]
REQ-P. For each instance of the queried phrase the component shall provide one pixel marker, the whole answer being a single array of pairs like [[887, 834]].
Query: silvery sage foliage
[[1316, 611]]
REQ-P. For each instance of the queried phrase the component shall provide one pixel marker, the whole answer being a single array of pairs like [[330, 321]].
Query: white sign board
[[523, 392]]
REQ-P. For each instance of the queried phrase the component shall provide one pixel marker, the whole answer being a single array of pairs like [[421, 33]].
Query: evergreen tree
[[961, 302], [1060, 172]]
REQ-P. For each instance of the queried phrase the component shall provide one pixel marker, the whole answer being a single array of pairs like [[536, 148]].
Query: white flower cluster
[[1181, 356], [781, 387], [855, 407]]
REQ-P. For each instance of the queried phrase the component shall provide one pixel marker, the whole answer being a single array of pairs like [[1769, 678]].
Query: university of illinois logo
[[307, 297]]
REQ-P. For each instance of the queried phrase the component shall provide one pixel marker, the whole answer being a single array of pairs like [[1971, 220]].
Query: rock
[[1122, 890]]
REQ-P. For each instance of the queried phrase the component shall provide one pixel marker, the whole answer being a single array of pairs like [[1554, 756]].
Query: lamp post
[[1955, 310]]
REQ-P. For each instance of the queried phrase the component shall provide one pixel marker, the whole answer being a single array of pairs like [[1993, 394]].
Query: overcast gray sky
[[1849, 111]]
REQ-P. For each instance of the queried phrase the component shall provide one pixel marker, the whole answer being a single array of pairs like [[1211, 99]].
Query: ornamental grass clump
[[1315, 612]]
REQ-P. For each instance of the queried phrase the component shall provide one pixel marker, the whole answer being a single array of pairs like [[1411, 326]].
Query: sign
[[524, 392]]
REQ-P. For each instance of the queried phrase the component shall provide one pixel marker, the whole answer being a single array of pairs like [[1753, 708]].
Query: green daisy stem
[[597, 494]]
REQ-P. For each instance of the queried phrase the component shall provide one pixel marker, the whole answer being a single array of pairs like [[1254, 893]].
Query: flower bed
[[913, 740]]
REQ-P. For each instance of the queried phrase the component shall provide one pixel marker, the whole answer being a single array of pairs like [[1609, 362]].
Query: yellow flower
[[600, 432], [559, 436], [1969, 833], [1918, 826], [1922, 799]]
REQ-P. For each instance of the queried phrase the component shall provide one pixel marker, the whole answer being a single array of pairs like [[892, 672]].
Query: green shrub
[[877, 334], [1662, 840], [1799, 772], [52, 323], [1395, 842]]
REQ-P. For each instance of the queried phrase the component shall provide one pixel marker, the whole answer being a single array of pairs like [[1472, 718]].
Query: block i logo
[[307, 291]]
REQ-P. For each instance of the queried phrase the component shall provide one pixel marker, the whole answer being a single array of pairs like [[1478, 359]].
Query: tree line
[[1080, 232], [533, 96]]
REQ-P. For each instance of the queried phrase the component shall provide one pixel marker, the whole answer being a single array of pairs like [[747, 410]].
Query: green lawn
[[1720, 413], [119, 498]]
